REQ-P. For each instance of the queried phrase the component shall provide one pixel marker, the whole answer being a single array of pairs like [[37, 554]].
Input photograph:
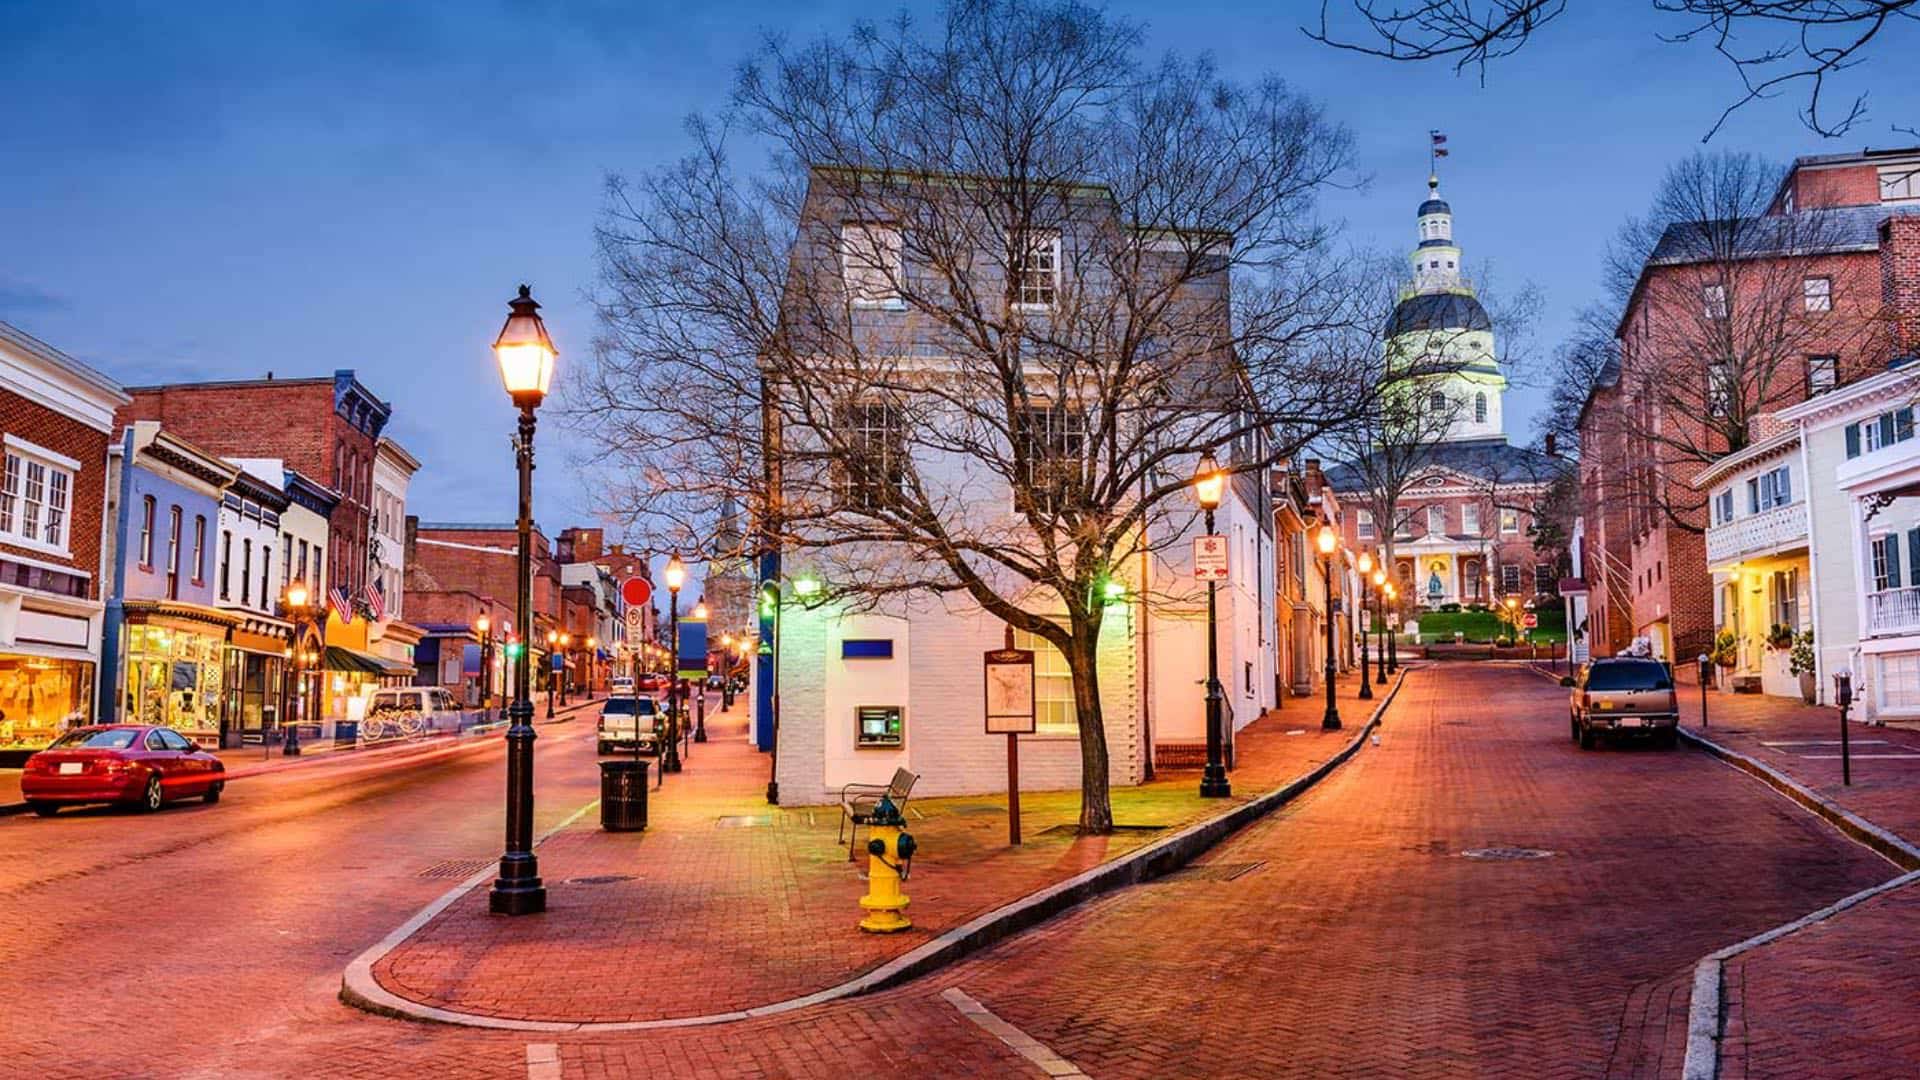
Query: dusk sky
[[215, 190]]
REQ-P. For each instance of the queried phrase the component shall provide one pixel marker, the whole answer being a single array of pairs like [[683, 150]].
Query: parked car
[[1625, 697], [652, 683], [631, 722], [620, 684], [412, 699], [120, 763]]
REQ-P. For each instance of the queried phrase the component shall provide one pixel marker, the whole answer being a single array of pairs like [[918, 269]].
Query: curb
[[1705, 1011], [361, 990]]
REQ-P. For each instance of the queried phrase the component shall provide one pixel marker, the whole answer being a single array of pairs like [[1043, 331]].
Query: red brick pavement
[[1359, 942], [725, 903], [1838, 998]]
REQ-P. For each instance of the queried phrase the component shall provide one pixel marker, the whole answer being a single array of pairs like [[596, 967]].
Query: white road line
[[543, 1061], [1827, 742], [1856, 757], [1019, 1041]]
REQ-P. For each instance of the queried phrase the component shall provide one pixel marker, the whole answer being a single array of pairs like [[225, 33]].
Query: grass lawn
[[1485, 625]]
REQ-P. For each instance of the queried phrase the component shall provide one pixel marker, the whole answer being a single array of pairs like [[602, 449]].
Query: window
[[1403, 525], [1715, 299], [1039, 272], [1823, 374], [1719, 390], [173, 553], [874, 467], [1053, 711], [286, 561], [35, 488], [1437, 402], [1723, 507], [1509, 521], [246, 571], [1436, 520], [1480, 408], [319, 584], [1786, 598], [1509, 578], [870, 263], [1543, 582], [1470, 519], [1363, 524], [1768, 490], [266, 572], [199, 548], [1899, 183], [1053, 444], [1818, 292], [226, 563], [1886, 563], [303, 559], [1884, 430]]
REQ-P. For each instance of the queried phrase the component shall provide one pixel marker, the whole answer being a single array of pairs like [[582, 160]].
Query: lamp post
[[525, 355], [299, 605], [1380, 610], [676, 577], [566, 647], [1366, 682], [553, 643], [726, 672], [1843, 697], [484, 627], [1209, 486], [1513, 620], [1393, 634], [1329, 543]]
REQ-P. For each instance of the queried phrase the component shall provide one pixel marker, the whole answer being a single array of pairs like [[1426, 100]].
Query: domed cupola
[[1436, 261]]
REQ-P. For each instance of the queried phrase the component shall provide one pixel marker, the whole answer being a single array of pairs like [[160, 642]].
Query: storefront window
[[253, 690], [174, 679], [40, 698]]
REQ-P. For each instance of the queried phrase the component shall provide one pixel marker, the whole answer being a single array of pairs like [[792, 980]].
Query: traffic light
[[513, 650], [769, 599]]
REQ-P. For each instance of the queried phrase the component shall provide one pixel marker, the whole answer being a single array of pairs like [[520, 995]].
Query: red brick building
[[56, 418], [1729, 321], [326, 428]]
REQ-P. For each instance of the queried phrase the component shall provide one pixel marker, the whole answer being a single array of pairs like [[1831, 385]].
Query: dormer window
[[1900, 183], [870, 263]]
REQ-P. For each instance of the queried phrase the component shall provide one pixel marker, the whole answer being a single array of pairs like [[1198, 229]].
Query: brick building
[[457, 570], [1729, 321], [327, 429], [56, 415]]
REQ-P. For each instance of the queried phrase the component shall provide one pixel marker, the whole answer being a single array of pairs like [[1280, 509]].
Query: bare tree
[[962, 341], [1772, 45], [1731, 312]]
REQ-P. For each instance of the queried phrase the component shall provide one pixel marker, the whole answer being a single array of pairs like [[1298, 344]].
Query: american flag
[[341, 603], [376, 602], [1439, 144]]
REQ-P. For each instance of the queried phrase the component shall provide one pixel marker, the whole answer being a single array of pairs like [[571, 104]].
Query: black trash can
[[623, 795]]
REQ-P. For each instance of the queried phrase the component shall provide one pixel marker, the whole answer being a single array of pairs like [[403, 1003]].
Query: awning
[[342, 659]]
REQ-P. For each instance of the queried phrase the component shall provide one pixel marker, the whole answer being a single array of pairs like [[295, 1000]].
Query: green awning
[[341, 659]]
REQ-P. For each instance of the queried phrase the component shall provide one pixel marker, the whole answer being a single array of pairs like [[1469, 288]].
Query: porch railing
[[1893, 611]]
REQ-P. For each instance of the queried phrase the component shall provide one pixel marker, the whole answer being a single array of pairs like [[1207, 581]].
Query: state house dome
[[1438, 311]]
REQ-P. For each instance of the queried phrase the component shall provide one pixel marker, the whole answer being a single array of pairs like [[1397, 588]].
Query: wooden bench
[[856, 800]]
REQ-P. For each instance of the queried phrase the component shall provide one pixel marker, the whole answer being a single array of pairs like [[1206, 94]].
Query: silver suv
[[1625, 697]]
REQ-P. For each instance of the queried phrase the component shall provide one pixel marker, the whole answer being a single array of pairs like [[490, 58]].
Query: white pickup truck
[[632, 723]]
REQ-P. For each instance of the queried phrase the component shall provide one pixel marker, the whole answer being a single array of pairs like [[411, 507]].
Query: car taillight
[[115, 765], [38, 764]]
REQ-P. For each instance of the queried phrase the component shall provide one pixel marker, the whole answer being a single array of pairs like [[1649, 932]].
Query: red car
[[120, 763]]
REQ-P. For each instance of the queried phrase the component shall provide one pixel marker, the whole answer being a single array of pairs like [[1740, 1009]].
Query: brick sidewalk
[[1838, 997], [725, 903]]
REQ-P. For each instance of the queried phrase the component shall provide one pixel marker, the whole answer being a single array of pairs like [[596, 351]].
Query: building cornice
[[1783, 443], [1862, 397], [43, 374]]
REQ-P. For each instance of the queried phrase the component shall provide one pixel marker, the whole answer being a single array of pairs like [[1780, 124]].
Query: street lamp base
[[1366, 693], [1214, 784], [773, 793], [1330, 722], [518, 890], [700, 734]]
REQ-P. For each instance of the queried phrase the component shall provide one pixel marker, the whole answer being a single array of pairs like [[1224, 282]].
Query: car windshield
[[1629, 675], [626, 706], [110, 739]]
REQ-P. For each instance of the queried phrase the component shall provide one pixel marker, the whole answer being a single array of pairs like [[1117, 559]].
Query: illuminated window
[[1053, 711], [1039, 272]]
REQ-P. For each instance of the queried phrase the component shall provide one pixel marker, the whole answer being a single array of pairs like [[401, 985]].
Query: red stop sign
[[636, 591]]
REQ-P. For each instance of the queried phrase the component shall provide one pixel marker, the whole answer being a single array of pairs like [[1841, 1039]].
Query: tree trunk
[[1096, 804]]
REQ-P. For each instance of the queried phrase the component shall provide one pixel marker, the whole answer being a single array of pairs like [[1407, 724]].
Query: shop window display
[[174, 679], [40, 698]]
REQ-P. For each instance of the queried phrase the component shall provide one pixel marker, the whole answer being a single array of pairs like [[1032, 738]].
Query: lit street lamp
[[553, 643], [526, 356], [1329, 544], [1366, 684], [676, 577], [302, 612], [484, 627], [1380, 609], [1209, 486], [1393, 634]]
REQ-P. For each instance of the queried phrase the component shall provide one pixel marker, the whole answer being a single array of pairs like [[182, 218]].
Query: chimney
[[1553, 448], [1315, 479], [413, 539]]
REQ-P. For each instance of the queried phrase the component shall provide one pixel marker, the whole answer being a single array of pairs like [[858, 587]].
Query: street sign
[[1530, 621], [1009, 674], [1210, 557], [636, 622], [636, 591]]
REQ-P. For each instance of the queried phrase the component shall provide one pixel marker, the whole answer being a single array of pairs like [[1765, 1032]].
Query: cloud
[[21, 299]]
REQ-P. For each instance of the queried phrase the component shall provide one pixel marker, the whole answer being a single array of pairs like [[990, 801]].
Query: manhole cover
[[1506, 853], [456, 868], [740, 821], [598, 879], [1212, 871]]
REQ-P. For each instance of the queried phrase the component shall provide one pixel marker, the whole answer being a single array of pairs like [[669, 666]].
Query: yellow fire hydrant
[[890, 851]]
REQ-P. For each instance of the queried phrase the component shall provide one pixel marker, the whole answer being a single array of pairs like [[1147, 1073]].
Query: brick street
[[1345, 934]]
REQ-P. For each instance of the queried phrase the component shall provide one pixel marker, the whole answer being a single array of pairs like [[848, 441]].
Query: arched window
[[1480, 408], [1437, 401]]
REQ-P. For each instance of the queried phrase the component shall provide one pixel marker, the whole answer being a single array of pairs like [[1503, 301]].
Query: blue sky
[[218, 189]]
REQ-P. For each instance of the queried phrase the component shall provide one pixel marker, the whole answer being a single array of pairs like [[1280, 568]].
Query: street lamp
[[300, 610], [553, 643], [1513, 625], [676, 577], [566, 647], [525, 355], [1329, 543], [484, 627], [1393, 635], [1365, 567], [593, 662], [1380, 609], [1209, 486]]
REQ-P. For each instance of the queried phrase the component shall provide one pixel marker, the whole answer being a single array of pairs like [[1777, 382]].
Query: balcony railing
[[1769, 530], [1893, 611]]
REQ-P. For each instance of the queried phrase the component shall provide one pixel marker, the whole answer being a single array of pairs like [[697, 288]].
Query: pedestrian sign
[[1210, 557]]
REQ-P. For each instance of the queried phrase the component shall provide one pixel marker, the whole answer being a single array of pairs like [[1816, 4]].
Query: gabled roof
[[1823, 230]]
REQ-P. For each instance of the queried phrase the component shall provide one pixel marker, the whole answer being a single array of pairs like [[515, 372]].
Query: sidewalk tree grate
[[598, 879], [1508, 854], [741, 821], [1213, 871], [456, 868]]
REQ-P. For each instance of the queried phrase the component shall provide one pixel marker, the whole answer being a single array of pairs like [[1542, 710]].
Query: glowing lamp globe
[[525, 352]]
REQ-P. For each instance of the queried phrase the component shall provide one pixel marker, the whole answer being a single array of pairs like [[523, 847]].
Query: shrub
[[1779, 637], [1800, 660], [1449, 608]]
